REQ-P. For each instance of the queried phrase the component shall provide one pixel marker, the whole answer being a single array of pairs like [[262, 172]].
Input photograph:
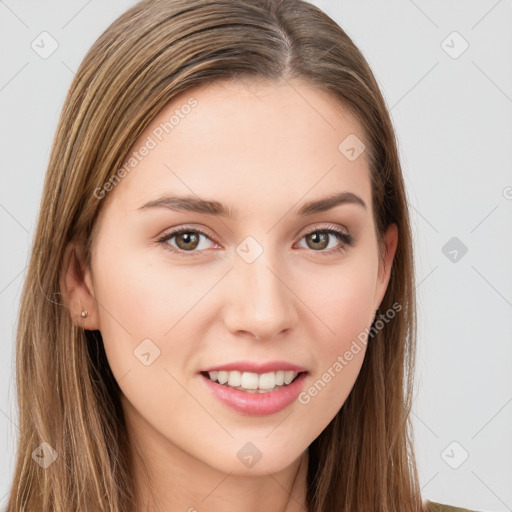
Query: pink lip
[[251, 366], [256, 404]]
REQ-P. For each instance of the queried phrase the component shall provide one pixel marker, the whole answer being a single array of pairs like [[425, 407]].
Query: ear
[[386, 255], [77, 289]]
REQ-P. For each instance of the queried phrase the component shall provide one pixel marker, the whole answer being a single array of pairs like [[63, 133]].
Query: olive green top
[[438, 507]]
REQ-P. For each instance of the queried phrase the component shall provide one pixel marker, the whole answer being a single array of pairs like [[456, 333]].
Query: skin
[[263, 150]]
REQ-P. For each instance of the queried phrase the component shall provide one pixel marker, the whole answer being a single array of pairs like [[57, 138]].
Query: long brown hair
[[67, 396]]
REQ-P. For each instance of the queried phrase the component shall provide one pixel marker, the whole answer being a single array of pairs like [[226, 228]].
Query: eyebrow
[[195, 204]]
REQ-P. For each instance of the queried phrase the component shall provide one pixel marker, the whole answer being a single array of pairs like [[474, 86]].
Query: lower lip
[[256, 404]]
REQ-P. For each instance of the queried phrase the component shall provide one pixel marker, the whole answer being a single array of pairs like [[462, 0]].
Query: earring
[[84, 313]]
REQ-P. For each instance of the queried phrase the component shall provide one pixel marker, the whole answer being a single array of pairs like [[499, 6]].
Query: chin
[[250, 461]]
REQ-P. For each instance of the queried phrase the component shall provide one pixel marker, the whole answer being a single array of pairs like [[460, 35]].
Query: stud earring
[[84, 313]]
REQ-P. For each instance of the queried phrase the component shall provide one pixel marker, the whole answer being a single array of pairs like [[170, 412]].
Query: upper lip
[[252, 366]]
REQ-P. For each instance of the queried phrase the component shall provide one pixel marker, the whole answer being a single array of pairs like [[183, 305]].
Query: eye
[[187, 240], [318, 239]]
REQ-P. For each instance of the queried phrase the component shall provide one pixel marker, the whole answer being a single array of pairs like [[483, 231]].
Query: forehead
[[247, 141]]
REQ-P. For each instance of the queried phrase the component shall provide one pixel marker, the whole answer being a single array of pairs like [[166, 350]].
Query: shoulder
[[438, 507]]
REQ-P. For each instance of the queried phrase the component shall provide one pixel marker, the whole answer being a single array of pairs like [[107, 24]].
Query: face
[[176, 292]]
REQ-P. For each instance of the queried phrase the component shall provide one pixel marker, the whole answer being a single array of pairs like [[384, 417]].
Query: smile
[[252, 400], [253, 382]]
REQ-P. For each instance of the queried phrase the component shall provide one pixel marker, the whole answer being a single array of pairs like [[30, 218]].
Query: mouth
[[252, 382], [252, 393]]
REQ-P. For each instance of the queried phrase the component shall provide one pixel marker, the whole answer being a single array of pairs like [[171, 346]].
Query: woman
[[219, 312]]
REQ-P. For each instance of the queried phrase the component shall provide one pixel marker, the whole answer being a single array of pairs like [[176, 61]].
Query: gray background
[[453, 118]]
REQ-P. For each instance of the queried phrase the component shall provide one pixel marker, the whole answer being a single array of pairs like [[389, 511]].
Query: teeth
[[234, 379], [289, 376], [267, 380], [249, 380], [253, 381]]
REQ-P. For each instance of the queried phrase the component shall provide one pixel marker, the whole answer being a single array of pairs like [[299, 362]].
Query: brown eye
[[187, 240], [319, 240]]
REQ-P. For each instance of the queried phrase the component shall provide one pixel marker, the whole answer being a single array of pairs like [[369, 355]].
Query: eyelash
[[346, 238]]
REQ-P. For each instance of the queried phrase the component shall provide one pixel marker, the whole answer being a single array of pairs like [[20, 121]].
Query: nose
[[260, 302]]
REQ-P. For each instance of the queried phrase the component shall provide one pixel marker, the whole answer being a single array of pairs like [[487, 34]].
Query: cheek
[[342, 300], [138, 292], [144, 326], [143, 298], [342, 311]]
